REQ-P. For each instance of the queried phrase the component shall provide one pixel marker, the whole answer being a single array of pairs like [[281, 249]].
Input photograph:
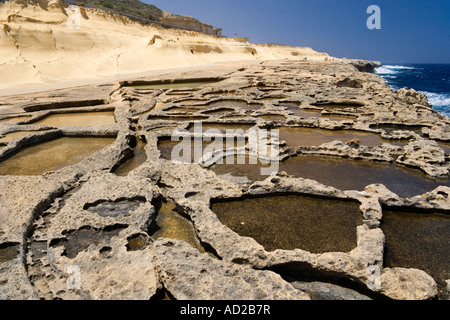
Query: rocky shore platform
[[126, 222]]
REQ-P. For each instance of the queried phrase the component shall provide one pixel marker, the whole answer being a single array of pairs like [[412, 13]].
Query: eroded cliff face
[[190, 24], [128, 220], [43, 42]]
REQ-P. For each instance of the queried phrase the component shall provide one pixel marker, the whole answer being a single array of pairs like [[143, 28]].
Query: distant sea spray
[[433, 80]]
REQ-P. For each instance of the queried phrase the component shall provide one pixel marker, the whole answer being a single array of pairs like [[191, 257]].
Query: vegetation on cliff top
[[133, 8], [127, 7]]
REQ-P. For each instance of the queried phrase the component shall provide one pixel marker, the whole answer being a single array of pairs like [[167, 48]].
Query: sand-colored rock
[[189, 23], [108, 45], [31, 194], [15, 284], [84, 220], [190, 275]]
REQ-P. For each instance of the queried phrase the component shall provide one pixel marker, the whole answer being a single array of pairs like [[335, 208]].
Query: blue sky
[[411, 31]]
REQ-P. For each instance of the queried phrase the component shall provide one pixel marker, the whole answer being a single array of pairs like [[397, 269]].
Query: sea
[[433, 80]]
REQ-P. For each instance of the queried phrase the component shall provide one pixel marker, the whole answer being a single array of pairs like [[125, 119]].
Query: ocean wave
[[384, 70], [398, 67], [443, 110], [423, 79], [438, 99], [391, 69]]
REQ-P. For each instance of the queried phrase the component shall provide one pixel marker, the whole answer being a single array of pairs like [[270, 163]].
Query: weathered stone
[[436, 199], [84, 208], [366, 66], [407, 284], [350, 83], [101, 273], [327, 291], [14, 282], [426, 155], [21, 199]]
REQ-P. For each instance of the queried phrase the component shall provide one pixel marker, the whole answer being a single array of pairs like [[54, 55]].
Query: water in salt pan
[[172, 225], [53, 155], [293, 221], [347, 174], [221, 128], [195, 149], [418, 240], [78, 119], [307, 137], [139, 157], [343, 174]]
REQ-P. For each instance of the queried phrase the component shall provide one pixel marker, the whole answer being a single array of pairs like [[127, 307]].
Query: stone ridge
[[83, 232]]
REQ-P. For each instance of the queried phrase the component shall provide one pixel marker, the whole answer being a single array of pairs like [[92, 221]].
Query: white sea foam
[[391, 69], [398, 67], [438, 99]]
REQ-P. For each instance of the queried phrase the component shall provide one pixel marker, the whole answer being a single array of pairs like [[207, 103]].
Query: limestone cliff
[[51, 41], [189, 23]]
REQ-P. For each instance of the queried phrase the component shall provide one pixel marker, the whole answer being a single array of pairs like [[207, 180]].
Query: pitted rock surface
[[83, 232]]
